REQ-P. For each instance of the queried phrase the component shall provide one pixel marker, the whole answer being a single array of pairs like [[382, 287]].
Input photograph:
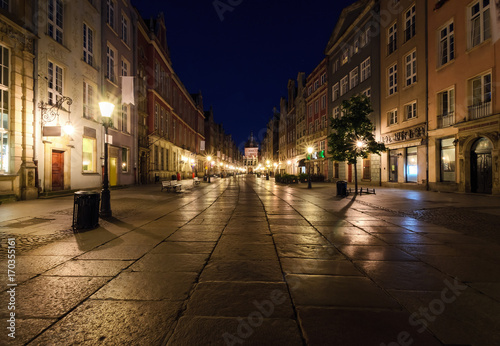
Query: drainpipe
[[36, 134]]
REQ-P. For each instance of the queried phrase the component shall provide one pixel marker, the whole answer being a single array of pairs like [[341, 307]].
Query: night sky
[[242, 63]]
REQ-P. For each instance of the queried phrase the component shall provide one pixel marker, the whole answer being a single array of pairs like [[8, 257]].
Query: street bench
[[196, 181], [170, 186]]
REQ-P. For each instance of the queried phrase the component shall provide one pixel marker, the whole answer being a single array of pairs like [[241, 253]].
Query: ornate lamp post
[[309, 151], [106, 111]]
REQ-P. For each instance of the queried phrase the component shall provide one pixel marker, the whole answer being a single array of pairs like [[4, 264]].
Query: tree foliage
[[352, 127]]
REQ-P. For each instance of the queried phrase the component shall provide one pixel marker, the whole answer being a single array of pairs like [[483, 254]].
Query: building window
[[411, 68], [344, 85], [336, 112], [316, 107], [55, 82], [5, 153], [110, 64], [124, 29], [125, 154], [310, 111], [366, 69], [124, 118], [411, 165], [344, 57], [392, 39], [124, 67], [446, 108], [316, 85], [324, 121], [310, 128], [323, 78], [335, 92], [393, 79], [447, 160], [89, 151], [446, 44], [392, 117], [368, 93], [335, 66], [88, 101], [4, 4], [356, 46], [88, 45], [479, 22], [157, 116], [411, 110], [480, 96], [410, 23], [316, 125], [354, 77], [55, 20], [323, 102], [110, 13]]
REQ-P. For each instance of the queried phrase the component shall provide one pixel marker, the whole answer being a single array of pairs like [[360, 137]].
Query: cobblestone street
[[246, 261]]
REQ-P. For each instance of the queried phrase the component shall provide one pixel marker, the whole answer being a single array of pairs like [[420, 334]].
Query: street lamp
[[106, 110], [209, 158], [309, 150]]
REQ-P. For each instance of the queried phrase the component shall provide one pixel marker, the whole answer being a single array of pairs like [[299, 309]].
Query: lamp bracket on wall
[[51, 111]]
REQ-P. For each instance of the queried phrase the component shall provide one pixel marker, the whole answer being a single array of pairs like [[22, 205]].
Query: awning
[[302, 163]]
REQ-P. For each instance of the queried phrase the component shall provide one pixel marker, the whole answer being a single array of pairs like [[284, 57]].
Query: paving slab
[[51, 297], [338, 291], [258, 270], [148, 286], [211, 299], [360, 327], [114, 323], [180, 247], [319, 267], [196, 330], [375, 253], [161, 262], [90, 268]]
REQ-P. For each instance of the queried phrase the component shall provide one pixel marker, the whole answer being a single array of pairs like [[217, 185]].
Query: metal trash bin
[[341, 188], [86, 210]]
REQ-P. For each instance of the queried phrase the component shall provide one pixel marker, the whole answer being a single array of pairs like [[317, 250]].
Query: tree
[[352, 133]]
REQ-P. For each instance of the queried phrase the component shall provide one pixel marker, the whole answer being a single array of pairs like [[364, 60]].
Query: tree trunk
[[355, 176]]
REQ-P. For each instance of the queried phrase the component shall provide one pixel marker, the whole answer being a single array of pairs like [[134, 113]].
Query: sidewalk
[[246, 261]]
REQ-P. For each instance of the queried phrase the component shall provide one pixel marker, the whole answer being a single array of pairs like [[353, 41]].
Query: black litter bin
[[86, 210], [341, 188]]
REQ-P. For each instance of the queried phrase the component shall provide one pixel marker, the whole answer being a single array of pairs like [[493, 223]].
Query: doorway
[[57, 170], [393, 166], [481, 168], [113, 177]]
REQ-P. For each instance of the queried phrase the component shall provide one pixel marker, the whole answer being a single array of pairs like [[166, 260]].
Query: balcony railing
[[479, 110], [446, 119]]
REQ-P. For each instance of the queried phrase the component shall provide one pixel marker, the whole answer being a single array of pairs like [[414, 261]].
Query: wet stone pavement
[[246, 261]]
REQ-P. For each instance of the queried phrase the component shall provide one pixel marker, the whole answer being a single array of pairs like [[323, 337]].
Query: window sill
[[58, 43], [406, 87], [472, 49], [111, 28], [449, 63]]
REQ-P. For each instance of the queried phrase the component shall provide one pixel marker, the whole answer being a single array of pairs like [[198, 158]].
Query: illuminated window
[[411, 165], [448, 160], [89, 146]]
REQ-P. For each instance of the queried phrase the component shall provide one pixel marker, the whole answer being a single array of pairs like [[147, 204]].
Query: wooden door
[[57, 170]]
